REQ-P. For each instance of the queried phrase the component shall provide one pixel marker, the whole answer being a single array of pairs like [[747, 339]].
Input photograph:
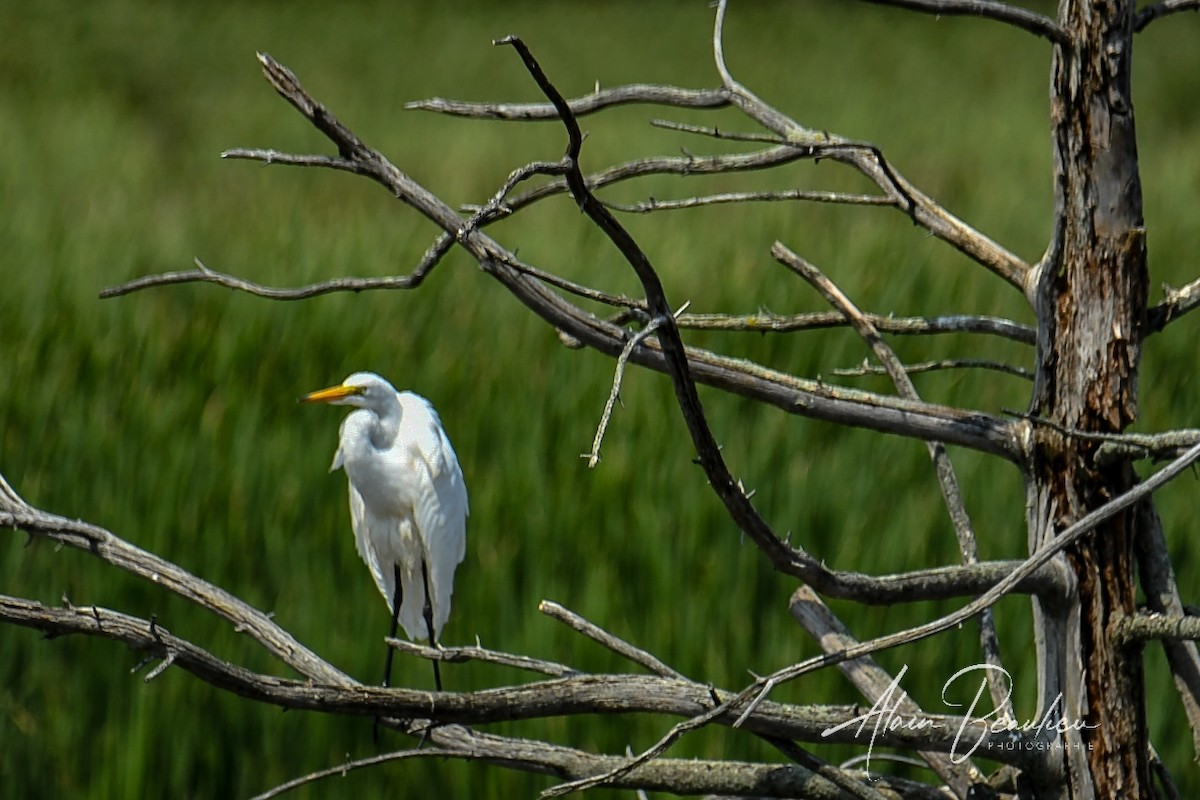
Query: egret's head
[[362, 389]]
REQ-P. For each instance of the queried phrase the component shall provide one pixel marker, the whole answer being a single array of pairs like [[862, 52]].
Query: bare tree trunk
[[1091, 303]]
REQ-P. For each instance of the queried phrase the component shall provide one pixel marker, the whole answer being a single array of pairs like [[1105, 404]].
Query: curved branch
[[1037, 560], [202, 274], [869, 160], [1151, 13], [975, 430], [16, 513], [570, 695], [750, 697], [1026, 20]]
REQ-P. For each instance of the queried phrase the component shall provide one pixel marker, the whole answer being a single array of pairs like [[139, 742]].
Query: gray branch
[[946, 476], [1016, 16], [1162, 596], [1175, 304], [637, 93], [653, 204], [873, 682], [1147, 627], [1151, 13], [769, 322], [869, 160], [570, 695], [937, 366], [972, 429]]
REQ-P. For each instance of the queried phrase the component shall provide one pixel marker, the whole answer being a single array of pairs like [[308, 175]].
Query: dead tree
[[1094, 534]]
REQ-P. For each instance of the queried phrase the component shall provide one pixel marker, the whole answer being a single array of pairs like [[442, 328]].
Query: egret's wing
[[367, 530], [364, 524], [440, 504]]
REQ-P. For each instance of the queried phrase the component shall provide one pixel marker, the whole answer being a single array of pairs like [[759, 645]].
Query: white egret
[[408, 501]]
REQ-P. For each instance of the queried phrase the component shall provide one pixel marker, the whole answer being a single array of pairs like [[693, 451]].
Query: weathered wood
[[1091, 308]]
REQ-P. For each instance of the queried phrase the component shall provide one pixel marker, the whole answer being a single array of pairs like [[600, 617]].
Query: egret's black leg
[[396, 600], [398, 596], [428, 613]]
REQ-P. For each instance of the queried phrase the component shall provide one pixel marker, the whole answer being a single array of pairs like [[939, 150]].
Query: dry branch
[[937, 366], [810, 398], [1151, 13], [869, 160], [1016, 16], [570, 695], [946, 476], [1162, 596], [976, 430], [1176, 303], [596, 101], [769, 322], [873, 682]]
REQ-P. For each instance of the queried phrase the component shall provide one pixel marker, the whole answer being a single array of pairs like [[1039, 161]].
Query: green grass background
[[169, 416]]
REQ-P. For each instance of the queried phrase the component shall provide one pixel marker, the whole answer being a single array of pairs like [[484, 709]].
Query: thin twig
[[852, 785], [686, 166], [342, 770], [717, 133], [653, 204], [455, 655], [614, 643], [865, 368], [203, 274], [593, 457]]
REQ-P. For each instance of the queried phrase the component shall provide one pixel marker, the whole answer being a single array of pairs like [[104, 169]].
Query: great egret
[[408, 501]]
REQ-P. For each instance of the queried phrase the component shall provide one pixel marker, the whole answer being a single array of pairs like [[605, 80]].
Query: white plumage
[[408, 500]]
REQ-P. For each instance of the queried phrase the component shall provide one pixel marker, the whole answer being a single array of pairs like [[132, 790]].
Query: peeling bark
[[1092, 301]]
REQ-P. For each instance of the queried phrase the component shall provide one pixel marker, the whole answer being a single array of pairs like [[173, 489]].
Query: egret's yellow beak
[[331, 394]]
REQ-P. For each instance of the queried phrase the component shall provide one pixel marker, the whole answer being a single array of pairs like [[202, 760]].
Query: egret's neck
[[387, 427]]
